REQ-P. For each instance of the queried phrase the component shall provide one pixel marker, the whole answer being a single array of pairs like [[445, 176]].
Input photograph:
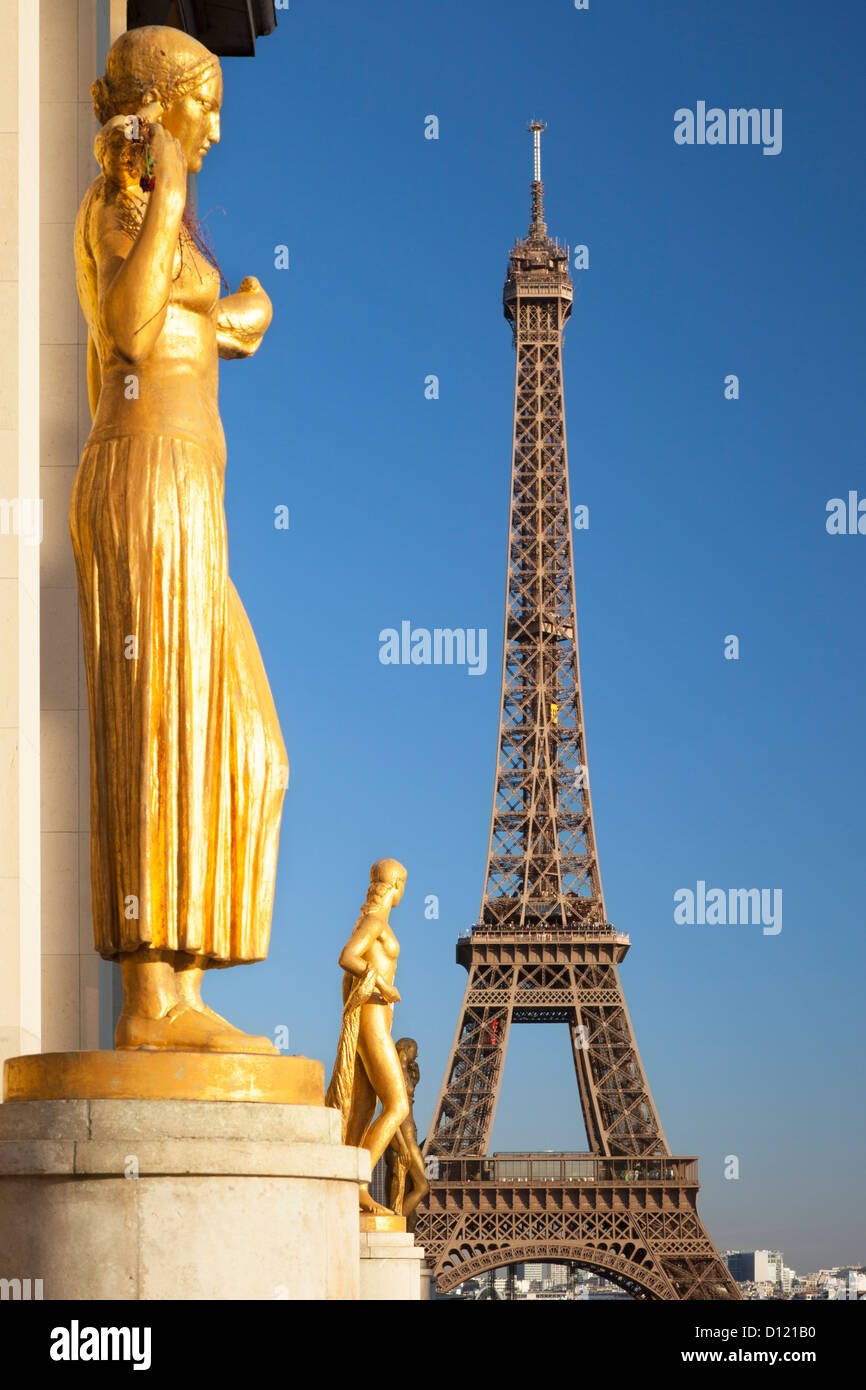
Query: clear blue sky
[[707, 518]]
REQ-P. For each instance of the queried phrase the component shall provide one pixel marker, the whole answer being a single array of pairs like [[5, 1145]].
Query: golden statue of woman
[[188, 767], [368, 1069]]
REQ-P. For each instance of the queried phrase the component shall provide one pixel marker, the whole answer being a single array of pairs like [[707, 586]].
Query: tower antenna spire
[[537, 225]]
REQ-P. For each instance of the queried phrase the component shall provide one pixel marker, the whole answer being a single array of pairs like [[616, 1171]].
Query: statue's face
[[194, 120]]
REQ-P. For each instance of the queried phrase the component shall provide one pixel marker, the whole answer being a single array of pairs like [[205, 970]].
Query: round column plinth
[[139, 1075], [177, 1199]]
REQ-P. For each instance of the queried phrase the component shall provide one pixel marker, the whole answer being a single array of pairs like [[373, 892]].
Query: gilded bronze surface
[[367, 1069], [188, 766], [161, 1075], [404, 1162], [381, 1221]]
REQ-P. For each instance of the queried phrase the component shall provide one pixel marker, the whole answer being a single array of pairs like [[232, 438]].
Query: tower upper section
[[537, 265], [542, 865]]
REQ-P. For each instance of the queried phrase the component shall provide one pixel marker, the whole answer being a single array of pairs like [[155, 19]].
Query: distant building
[[754, 1266], [844, 1281]]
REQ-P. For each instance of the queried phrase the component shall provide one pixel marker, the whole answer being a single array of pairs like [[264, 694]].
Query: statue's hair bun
[[101, 97]]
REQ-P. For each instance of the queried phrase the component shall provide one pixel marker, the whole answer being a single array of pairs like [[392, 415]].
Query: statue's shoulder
[[374, 924], [92, 204], [107, 209], [82, 234], [369, 921], [94, 191]]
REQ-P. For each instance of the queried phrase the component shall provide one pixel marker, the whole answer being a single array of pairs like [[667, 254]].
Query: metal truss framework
[[543, 950]]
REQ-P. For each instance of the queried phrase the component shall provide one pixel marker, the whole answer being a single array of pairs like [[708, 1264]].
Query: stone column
[[179, 1199], [74, 38], [20, 1005]]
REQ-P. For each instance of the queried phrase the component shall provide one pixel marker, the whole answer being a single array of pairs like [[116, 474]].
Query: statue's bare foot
[[366, 1203], [184, 1029]]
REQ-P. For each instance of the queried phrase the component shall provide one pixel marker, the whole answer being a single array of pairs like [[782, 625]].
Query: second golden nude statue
[[188, 766], [368, 1068]]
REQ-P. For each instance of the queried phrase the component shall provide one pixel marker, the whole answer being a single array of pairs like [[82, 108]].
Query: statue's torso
[[382, 955], [174, 391]]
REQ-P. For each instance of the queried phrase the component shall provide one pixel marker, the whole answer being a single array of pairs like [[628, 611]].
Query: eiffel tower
[[543, 950]]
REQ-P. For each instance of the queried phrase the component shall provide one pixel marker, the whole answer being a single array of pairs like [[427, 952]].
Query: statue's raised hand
[[169, 159]]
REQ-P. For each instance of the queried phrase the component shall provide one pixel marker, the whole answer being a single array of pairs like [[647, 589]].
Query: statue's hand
[[169, 159], [388, 992]]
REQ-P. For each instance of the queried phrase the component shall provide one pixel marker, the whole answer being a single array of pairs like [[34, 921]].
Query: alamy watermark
[[729, 907], [77, 1343], [443, 646], [737, 126], [20, 1289], [22, 516], [846, 518]]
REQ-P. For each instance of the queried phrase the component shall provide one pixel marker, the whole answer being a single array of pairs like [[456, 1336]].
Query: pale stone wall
[[20, 1021], [74, 37]]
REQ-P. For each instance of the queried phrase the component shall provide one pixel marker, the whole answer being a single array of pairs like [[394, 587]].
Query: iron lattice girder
[[542, 841], [632, 1221], [543, 951], [574, 981]]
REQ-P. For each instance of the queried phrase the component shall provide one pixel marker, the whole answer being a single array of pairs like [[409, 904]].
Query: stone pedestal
[[391, 1262], [179, 1199]]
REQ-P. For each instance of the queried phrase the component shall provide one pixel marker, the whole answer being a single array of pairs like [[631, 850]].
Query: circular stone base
[[172, 1199], [120, 1075]]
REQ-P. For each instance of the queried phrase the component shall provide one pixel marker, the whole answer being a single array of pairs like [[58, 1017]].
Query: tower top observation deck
[[537, 264]]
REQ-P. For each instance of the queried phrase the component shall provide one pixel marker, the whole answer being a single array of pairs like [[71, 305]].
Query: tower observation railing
[[559, 1169], [481, 931]]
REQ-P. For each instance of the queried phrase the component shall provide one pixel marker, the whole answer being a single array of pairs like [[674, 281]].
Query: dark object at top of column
[[228, 28]]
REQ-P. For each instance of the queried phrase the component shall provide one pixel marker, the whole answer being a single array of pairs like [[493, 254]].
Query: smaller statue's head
[[407, 1052], [168, 76], [387, 882]]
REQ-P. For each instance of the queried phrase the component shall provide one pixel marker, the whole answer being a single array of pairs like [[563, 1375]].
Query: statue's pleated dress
[[188, 766]]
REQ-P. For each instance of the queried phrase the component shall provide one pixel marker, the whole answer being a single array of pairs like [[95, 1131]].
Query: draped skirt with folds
[[187, 763]]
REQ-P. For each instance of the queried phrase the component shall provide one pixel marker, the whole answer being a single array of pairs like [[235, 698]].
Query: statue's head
[[407, 1052], [387, 881], [167, 76]]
